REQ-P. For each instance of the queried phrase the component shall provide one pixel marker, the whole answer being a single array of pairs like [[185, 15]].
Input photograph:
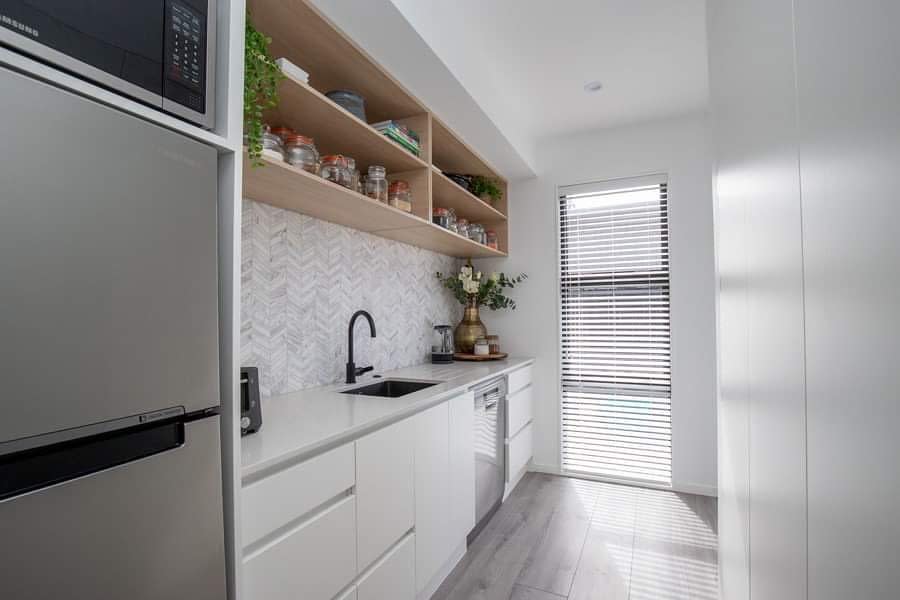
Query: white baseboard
[[432, 586], [687, 488]]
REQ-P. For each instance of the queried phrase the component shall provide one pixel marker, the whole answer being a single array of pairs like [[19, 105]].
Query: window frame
[[661, 176]]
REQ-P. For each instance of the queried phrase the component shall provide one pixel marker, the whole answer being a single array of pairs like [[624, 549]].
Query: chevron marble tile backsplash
[[302, 279]]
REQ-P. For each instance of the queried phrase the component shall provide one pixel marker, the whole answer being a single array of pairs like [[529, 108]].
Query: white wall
[[678, 147]]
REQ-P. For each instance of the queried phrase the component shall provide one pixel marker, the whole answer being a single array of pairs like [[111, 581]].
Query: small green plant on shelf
[[482, 186], [261, 79]]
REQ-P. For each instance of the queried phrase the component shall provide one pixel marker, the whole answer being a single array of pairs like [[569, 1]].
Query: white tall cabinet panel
[[762, 412], [462, 465], [849, 96], [804, 103], [432, 479]]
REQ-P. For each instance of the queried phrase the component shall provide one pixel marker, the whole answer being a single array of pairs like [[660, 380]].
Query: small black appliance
[[251, 412]]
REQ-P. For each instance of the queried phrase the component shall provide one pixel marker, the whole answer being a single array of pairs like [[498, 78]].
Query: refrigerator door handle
[[38, 468]]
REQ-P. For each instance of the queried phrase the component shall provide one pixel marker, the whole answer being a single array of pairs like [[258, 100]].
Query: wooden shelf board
[[447, 194], [336, 131], [303, 35], [280, 184], [451, 154], [436, 238]]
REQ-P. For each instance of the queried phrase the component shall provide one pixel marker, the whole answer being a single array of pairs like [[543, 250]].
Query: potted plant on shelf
[[486, 189], [261, 79], [473, 290]]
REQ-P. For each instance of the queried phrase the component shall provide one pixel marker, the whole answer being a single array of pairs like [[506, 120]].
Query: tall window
[[615, 336]]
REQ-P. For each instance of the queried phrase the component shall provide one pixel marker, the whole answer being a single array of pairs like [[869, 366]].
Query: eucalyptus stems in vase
[[473, 291]]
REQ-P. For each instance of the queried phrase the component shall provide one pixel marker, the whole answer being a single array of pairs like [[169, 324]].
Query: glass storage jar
[[441, 216], [494, 344], [272, 146], [482, 348], [354, 173], [476, 233], [300, 151], [376, 184], [462, 227], [492, 240], [399, 196], [335, 169]]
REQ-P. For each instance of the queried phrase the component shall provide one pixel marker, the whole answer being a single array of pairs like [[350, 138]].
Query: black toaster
[[251, 412]]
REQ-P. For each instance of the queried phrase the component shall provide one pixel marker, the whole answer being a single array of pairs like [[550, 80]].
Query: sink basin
[[390, 388]]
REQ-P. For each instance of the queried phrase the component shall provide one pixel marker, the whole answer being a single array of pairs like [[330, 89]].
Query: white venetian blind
[[615, 340]]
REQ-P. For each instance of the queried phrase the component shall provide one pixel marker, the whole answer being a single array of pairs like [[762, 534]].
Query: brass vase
[[469, 329]]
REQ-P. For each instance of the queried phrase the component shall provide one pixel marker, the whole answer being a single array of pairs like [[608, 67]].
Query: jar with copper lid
[[300, 151], [441, 216], [376, 184], [335, 169], [398, 195], [283, 133], [492, 240], [493, 344]]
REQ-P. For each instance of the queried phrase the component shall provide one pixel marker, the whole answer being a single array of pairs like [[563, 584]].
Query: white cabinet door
[[519, 453], [462, 467], [393, 577], [518, 410], [432, 428], [518, 379], [314, 561], [273, 501], [385, 495]]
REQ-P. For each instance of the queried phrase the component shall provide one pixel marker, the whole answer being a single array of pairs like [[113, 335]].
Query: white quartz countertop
[[302, 424]]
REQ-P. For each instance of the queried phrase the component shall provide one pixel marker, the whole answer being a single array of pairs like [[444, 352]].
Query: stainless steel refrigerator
[[110, 461]]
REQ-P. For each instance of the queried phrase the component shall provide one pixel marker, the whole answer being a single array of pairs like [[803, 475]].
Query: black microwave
[[159, 52]]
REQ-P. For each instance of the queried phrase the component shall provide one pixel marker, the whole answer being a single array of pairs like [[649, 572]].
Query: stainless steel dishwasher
[[490, 453]]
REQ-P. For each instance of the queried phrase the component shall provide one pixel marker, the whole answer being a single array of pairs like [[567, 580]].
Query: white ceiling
[[525, 62]]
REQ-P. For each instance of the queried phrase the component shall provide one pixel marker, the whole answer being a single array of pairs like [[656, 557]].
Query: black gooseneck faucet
[[352, 371]]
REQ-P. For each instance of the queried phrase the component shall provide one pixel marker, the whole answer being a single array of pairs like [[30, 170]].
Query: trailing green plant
[[486, 291], [482, 186], [261, 79]]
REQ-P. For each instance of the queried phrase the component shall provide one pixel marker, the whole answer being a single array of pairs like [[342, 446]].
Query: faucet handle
[[361, 370]]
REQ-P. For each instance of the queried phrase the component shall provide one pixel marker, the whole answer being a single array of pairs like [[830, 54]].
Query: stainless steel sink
[[390, 388]]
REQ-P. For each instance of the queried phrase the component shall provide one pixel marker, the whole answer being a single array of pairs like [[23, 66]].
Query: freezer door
[[145, 530], [108, 264]]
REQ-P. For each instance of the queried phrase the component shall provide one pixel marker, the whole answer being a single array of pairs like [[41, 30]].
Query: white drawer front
[[519, 379], [393, 577], [385, 489], [315, 561], [519, 411], [274, 501], [519, 452]]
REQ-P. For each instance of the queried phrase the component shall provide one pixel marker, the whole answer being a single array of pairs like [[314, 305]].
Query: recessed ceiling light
[[593, 86]]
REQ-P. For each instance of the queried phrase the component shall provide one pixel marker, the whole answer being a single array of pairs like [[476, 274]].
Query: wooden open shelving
[[292, 188], [447, 194], [307, 38], [336, 131]]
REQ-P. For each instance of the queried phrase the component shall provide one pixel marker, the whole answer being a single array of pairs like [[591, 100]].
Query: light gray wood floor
[[557, 537]]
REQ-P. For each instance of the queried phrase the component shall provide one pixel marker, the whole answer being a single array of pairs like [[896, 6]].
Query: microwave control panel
[[185, 55]]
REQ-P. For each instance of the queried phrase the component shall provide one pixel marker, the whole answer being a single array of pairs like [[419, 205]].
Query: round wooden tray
[[478, 357]]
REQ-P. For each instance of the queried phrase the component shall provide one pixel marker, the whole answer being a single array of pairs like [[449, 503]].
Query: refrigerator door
[[108, 264], [145, 530]]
